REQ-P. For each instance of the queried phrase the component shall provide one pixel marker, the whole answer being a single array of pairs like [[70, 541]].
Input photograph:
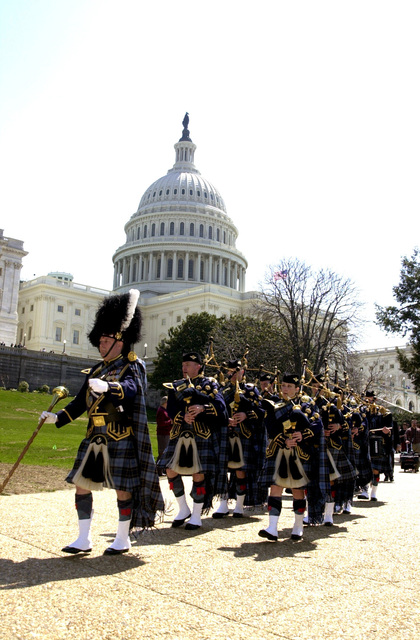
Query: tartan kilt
[[208, 452], [343, 464], [363, 466], [266, 478], [123, 462], [249, 454], [383, 464]]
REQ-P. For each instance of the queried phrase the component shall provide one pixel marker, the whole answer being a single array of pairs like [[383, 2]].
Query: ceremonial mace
[[59, 394]]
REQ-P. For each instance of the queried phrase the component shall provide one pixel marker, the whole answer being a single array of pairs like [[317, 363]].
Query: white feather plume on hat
[[131, 308]]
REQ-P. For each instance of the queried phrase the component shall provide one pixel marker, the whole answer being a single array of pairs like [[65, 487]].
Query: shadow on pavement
[[35, 571]]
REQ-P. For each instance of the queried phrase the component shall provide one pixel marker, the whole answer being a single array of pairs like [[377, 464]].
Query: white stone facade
[[11, 254], [380, 372], [56, 314]]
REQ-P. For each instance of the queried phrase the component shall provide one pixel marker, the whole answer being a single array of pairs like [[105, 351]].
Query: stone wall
[[39, 367]]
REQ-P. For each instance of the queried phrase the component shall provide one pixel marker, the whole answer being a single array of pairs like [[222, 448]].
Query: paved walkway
[[359, 579]]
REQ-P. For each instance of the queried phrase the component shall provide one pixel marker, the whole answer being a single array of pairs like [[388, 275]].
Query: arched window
[[181, 229], [202, 270], [145, 231], [170, 268], [153, 230], [224, 237], [172, 229], [159, 262], [138, 233], [210, 233], [218, 235], [162, 228], [192, 229], [190, 269], [201, 230]]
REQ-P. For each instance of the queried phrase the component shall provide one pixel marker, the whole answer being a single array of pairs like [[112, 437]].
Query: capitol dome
[[180, 235]]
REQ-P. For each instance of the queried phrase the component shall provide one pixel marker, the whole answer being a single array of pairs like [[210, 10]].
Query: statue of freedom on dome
[[185, 132]]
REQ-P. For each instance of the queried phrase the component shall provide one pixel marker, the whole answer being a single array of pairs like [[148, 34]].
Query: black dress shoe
[[268, 536], [238, 515], [178, 523], [115, 552], [74, 550], [192, 527], [295, 536], [218, 515]]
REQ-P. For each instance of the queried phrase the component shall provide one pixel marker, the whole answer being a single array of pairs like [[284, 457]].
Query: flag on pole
[[280, 275]]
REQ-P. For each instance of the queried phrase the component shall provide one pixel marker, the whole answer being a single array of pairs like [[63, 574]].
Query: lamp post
[[64, 346], [404, 392], [145, 351]]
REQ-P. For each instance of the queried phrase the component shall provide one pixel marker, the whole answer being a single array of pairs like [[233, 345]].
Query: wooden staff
[[59, 394]]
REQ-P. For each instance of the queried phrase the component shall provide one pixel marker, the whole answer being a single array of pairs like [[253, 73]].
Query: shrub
[[23, 386], [43, 389]]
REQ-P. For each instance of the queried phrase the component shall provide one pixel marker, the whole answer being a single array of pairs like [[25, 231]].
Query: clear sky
[[305, 115]]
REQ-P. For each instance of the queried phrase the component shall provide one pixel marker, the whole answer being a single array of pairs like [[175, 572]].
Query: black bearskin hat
[[118, 316]]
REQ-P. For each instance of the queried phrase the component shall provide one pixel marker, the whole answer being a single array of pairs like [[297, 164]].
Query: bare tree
[[317, 314]]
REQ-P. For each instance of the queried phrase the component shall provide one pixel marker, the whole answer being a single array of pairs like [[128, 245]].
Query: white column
[[150, 261], [198, 268], [130, 274], [175, 266], [162, 264]]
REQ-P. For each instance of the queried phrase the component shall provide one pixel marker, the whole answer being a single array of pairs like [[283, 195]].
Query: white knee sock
[[122, 539]]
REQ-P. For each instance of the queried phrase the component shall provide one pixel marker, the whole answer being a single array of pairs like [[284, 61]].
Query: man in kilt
[[288, 457], [359, 445], [336, 430], [198, 441], [116, 451], [379, 422], [246, 442]]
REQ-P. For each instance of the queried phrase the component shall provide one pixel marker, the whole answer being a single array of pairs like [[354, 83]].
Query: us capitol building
[[180, 253]]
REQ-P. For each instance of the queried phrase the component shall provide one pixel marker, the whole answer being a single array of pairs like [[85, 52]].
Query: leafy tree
[[191, 335], [235, 335], [317, 314], [405, 318]]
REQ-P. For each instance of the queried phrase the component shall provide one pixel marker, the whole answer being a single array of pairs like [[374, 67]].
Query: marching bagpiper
[[247, 442], [287, 463], [198, 440], [116, 451]]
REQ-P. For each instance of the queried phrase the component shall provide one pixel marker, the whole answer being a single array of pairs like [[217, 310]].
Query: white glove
[[98, 386], [48, 417]]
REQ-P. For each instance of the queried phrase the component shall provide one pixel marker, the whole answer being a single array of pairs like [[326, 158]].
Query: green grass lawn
[[19, 415]]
